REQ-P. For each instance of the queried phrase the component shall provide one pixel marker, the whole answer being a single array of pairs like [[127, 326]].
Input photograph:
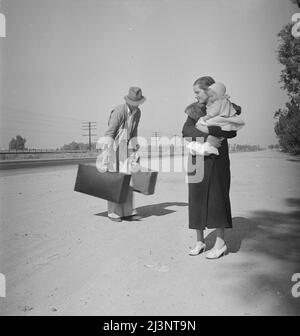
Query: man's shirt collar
[[129, 111]]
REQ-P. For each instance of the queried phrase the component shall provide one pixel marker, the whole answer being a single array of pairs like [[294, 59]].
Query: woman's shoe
[[216, 253], [135, 217], [115, 219], [199, 248]]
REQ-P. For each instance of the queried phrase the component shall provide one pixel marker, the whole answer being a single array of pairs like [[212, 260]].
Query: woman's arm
[[217, 132], [190, 131]]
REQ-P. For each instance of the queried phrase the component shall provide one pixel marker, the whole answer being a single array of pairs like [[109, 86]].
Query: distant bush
[[31, 156], [78, 146], [245, 148]]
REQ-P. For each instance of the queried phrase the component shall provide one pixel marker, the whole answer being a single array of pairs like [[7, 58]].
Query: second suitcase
[[144, 181]]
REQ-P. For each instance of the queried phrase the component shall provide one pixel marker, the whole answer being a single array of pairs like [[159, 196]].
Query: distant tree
[[17, 143], [13, 144], [71, 146], [287, 127], [78, 146], [20, 142], [289, 57]]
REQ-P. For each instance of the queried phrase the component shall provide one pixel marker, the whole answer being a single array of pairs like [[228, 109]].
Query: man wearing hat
[[122, 130]]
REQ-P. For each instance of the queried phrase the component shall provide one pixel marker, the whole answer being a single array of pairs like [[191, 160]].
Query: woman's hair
[[204, 82]]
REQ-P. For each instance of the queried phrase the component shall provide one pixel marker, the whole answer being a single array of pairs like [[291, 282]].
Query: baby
[[220, 112]]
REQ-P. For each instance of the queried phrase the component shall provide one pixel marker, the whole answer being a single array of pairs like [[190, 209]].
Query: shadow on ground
[[270, 244], [242, 228], [159, 209], [271, 241]]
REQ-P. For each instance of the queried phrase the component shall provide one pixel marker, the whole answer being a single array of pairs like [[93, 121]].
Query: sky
[[68, 61]]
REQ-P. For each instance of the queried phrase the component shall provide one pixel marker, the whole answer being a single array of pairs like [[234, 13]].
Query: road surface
[[62, 256]]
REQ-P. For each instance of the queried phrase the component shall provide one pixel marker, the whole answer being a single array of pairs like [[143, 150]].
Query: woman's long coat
[[209, 203]]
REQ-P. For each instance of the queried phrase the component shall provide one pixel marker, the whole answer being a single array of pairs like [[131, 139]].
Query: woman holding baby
[[209, 202]]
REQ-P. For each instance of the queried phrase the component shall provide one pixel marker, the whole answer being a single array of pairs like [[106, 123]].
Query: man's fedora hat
[[135, 96]]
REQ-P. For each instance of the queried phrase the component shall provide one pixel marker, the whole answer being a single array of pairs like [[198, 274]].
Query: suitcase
[[144, 181], [110, 186]]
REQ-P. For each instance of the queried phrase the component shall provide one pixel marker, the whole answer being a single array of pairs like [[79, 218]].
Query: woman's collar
[[195, 110]]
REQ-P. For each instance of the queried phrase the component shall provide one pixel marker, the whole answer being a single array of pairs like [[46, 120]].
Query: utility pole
[[156, 135], [89, 126]]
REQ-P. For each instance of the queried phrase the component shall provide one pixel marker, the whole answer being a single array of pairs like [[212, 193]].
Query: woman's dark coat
[[209, 203]]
